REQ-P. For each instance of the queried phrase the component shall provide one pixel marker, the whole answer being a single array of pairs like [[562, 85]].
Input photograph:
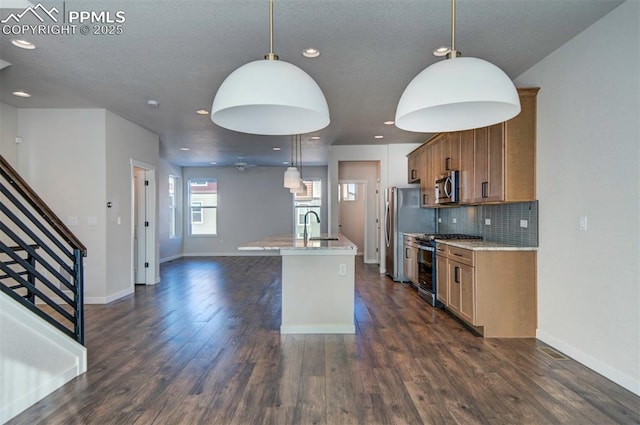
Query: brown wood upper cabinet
[[498, 163], [414, 164], [427, 184]]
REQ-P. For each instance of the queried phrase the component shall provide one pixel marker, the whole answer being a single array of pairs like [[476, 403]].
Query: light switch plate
[[487, 222], [72, 221], [524, 223], [583, 223], [455, 220]]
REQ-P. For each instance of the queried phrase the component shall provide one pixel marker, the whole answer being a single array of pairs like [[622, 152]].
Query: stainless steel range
[[427, 263]]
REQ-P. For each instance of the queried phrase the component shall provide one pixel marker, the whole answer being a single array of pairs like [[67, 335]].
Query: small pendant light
[[292, 175]]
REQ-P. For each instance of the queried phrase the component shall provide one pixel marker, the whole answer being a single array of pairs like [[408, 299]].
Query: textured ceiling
[[179, 52]]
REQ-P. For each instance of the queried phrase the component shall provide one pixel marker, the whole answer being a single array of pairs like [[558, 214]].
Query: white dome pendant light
[[457, 94], [292, 175], [270, 97]]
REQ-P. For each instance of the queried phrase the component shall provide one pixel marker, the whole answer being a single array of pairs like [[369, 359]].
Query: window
[[203, 204], [311, 200], [175, 202], [196, 213], [349, 192]]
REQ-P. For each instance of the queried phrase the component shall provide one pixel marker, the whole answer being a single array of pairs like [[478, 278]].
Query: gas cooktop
[[427, 237]]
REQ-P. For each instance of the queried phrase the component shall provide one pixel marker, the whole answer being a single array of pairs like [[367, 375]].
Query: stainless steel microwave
[[446, 188]]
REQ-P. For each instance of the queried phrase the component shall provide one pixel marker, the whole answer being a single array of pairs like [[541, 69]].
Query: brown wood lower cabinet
[[493, 291]]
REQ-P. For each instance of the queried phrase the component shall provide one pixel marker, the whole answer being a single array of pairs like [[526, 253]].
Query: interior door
[[351, 213], [139, 226]]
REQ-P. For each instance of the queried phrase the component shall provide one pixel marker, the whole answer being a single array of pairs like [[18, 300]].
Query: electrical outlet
[[583, 223], [343, 270], [439, 219], [455, 220], [487, 222], [524, 223]]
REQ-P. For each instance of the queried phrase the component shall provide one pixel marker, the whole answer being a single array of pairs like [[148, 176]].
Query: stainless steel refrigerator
[[403, 215]]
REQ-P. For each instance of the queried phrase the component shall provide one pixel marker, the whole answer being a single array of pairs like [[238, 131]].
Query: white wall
[[365, 171], [8, 133], [397, 175], [251, 205], [170, 248], [588, 165], [62, 157], [124, 141], [393, 171], [77, 160]]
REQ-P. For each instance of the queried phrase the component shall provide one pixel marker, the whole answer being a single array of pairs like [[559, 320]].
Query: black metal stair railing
[[41, 260]]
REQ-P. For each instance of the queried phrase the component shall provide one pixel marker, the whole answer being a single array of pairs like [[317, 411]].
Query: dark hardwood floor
[[203, 347]]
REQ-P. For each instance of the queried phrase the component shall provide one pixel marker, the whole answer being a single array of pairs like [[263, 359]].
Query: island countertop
[[290, 242]]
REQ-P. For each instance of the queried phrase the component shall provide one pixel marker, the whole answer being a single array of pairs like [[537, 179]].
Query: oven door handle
[[448, 187]]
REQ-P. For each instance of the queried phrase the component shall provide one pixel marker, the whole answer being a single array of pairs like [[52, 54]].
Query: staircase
[[41, 297]]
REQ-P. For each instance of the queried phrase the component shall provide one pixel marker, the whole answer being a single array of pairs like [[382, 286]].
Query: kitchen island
[[318, 283]]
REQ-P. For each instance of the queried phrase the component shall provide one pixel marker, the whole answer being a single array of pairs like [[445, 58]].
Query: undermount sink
[[323, 238]]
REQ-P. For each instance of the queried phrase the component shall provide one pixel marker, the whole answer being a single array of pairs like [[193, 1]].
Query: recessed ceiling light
[[23, 44], [442, 51], [315, 137], [153, 103], [389, 122], [185, 149], [311, 53], [276, 148], [202, 112], [378, 137], [213, 163], [285, 162], [21, 93]]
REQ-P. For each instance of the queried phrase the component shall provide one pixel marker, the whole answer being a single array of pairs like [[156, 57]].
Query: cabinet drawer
[[409, 240], [464, 256], [441, 249]]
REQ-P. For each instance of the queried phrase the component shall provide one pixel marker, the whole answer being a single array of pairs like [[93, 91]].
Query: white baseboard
[[629, 382], [171, 258], [247, 253]]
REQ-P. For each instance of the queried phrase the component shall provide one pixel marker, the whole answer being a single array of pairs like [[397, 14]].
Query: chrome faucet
[[306, 232]]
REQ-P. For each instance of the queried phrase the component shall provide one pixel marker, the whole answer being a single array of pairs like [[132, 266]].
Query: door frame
[[364, 182], [150, 213]]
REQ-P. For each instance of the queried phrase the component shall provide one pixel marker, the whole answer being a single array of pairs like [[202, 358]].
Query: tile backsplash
[[505, 222]]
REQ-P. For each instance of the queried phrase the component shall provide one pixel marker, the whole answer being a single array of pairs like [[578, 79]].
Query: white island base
[[318, 283], [318, 291]]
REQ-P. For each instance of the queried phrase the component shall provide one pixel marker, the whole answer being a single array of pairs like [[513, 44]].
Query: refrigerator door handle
[[387, 225]]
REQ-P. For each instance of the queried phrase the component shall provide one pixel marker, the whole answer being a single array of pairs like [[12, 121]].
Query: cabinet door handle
[[447, 164], [457, 255], [424, 199], [485, 186], [413, 174], [406, 252], [456, 274]]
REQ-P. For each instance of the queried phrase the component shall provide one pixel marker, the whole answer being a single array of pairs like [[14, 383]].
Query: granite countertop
[[478, 245], [278, 242]]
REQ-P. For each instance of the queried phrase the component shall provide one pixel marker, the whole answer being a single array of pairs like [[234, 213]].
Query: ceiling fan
[[241, 165]]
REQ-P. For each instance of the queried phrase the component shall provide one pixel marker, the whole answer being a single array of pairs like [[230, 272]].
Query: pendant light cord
[[453, 26], [300, 152], [271, 56]]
